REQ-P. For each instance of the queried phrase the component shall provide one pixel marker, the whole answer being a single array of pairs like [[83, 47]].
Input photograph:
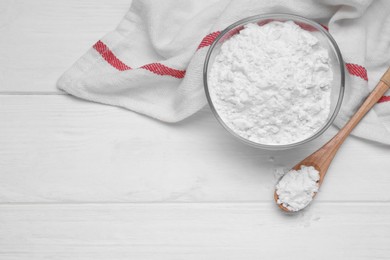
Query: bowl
[[325, 40]]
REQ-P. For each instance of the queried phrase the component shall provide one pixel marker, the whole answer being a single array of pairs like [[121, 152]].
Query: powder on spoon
[[296, 188], [271, 84]]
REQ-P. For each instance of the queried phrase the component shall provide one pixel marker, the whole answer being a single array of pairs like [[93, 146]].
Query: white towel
[[152, 62]]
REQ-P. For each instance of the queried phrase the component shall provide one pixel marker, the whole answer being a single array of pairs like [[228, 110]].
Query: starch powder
[[271, 84], [296, 188]]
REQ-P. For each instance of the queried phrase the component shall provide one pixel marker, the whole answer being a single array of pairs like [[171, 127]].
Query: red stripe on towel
[[357, 70], [208, 40], [384, 99], [110, 57], [156, 68], [163, 70]]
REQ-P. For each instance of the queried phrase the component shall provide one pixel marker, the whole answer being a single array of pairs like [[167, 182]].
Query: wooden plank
[[194, 231], [41, 39], [58, 148]]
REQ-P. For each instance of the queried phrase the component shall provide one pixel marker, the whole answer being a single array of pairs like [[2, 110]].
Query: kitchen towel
[[152, 62]]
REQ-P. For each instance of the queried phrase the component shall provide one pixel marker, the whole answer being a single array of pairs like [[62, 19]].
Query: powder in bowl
[[270, 84]]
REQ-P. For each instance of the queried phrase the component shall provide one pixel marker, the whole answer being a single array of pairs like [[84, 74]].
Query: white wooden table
[[80, 180]]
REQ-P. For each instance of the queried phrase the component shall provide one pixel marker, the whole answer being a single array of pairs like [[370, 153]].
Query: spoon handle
[[322, 158], [370, 101]]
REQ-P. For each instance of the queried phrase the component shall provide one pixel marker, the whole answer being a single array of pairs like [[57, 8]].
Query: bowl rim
[[283, 16]]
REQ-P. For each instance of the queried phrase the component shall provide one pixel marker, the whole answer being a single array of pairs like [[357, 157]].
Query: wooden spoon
[[322, 158]]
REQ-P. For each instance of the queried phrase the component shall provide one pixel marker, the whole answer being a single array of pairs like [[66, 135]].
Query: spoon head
[[296, 168]]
